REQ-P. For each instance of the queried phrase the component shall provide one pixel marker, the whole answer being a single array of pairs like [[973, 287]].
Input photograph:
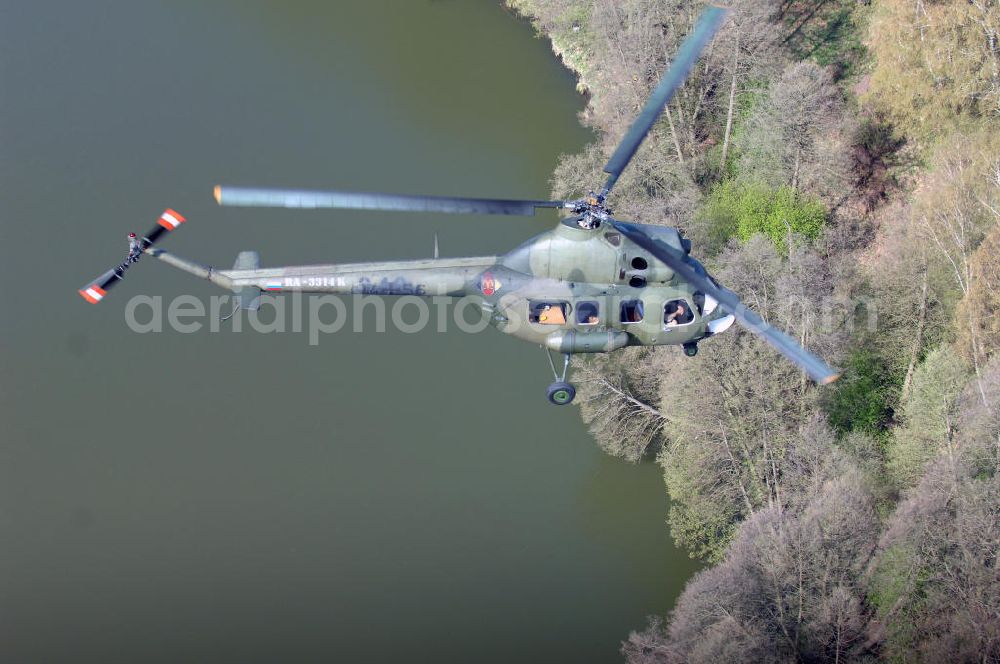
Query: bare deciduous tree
[[930, 417], [751, 52], [935, 580], [799, 135], [788, 589], [615, 402], [736, 411], [936, 63]]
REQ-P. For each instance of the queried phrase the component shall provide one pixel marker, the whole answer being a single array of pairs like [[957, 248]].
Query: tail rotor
[[95, 291]]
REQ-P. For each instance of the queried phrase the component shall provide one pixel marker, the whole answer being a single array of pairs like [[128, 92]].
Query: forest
[[837, 164]]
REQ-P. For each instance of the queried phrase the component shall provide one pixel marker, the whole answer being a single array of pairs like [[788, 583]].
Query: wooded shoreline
[[838, 165]]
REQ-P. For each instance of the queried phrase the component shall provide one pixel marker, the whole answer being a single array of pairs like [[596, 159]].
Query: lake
[[242, 496]]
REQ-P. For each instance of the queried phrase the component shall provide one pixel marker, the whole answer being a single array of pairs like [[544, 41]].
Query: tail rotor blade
[[354, 200], [709, 23], [170, 220], [817, 369], [95, 291]]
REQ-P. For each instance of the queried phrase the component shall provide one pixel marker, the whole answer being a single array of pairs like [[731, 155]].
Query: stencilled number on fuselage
[[315, 282]]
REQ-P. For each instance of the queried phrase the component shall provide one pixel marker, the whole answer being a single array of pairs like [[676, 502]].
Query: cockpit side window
[[677, 312], [631, 311], [699, 302], [547, 313], [587, 313]]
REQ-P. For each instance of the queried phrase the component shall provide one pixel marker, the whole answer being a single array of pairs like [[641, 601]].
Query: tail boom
[[192, 267], [429, 277]]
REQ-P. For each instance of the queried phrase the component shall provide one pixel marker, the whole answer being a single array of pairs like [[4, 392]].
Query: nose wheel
[[560, 392]]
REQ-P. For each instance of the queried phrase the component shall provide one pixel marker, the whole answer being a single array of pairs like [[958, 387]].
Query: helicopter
[[592, 284]]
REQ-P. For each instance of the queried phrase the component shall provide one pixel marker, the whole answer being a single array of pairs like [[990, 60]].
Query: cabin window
[[587, 313], [699, 302], [613, 238], [632, 311], [677, 312], [548, 313]]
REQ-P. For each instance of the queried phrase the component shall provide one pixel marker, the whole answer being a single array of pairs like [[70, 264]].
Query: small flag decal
[[171, 219], [93, 294], [273, 287]]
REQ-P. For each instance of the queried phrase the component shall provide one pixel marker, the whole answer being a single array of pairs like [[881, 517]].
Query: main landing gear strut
[[560, 392]]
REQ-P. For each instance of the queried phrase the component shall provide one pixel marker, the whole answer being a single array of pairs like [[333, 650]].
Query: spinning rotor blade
[[687, 54], [354, 200], [817, 369]]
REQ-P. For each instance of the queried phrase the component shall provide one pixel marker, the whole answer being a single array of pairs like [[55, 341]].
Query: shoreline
[[569, 56]]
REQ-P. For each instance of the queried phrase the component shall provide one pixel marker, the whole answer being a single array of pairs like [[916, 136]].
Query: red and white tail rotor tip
[[93, 293], [171, 219]]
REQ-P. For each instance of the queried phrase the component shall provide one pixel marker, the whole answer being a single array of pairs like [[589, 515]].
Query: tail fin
[[249, 296], [95, 291]]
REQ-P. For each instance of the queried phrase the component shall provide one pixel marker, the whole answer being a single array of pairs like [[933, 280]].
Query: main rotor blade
[[709, 23], [355, 200], [817, 369]]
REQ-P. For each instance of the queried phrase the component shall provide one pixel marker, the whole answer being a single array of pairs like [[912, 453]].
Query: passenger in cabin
[[548, 314], [586, 313], [673, 317], [677, 312]]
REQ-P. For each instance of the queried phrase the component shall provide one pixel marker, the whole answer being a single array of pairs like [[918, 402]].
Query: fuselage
[[570, 289]]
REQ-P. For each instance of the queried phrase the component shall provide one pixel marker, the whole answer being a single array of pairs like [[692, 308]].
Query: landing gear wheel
[[560, 393], [691, 349]]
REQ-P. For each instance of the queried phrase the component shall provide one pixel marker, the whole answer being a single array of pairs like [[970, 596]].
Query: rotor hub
[[591, 210]]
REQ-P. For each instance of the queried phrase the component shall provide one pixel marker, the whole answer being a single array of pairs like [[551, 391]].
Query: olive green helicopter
[[593, 284]]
